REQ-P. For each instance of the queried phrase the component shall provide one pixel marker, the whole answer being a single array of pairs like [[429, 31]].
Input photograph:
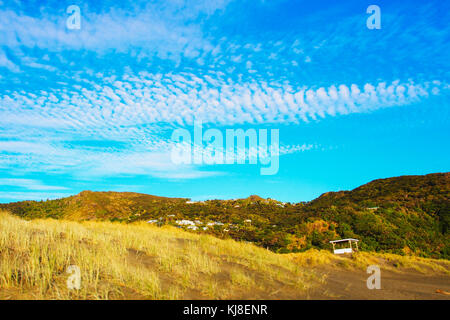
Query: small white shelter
[[348, 249]]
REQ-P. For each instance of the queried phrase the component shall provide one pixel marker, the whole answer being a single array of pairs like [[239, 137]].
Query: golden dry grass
[[138, 261]]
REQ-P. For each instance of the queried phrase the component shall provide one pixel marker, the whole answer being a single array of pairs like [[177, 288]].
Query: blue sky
[[94, 108]]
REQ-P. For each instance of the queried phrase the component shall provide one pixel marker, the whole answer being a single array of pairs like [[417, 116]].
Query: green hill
[[403, 215], [89, 205]]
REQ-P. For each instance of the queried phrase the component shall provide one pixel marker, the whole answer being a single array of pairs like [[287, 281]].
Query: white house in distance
[[348, 249], [185, 223]]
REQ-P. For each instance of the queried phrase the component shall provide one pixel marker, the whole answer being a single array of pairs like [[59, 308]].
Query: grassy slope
[[135, 261], [138, 261], [361, 260], [89, 205]]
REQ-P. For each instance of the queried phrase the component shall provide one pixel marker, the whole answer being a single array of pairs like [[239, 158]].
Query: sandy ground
[[341, 284], [338, 283], [408, 284]]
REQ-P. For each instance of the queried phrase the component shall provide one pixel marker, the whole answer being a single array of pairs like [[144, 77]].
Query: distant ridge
[[405, 215]]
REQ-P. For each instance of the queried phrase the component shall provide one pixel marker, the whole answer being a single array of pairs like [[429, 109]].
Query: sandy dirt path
[[408, 284]]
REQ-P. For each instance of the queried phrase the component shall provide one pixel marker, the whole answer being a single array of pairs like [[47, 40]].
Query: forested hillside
[[403, 215]]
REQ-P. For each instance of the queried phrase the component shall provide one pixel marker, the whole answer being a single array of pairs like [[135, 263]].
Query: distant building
[[215, 223], [185, 223]]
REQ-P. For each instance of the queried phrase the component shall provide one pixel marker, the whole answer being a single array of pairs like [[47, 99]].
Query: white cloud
[[119, 106], [31, 195], [123, 108], [5, 62], [37, 128], [29, 184], [163, 30], [26, 147]]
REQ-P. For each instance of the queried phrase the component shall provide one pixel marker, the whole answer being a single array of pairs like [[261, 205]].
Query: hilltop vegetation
[[402, 215]]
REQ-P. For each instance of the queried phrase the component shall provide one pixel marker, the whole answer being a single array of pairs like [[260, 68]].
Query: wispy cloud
[[29, 184], [31, 195], [144, 30], [7, 63]]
